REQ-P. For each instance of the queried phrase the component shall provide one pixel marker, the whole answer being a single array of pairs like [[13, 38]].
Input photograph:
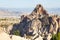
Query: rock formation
[[37, 25]]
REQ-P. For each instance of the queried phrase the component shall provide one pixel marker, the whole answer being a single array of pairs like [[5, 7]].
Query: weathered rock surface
[[4, 36]]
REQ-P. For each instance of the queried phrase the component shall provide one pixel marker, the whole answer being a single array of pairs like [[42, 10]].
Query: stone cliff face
[[38, 23]]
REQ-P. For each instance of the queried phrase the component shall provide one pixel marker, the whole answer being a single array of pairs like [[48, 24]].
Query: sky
[[29, 3]]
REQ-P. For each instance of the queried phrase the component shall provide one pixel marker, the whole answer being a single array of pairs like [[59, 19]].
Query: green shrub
[[16, 32], [56, 37]]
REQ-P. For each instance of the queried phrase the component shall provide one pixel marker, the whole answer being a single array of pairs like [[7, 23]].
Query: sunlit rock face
[[4, 36]]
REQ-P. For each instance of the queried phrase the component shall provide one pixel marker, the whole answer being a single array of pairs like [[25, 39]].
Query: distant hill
[[20, 11], [4, 12], [54, 10]]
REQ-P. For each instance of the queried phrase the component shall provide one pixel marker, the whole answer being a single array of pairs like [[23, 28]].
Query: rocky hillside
[[37, 25]]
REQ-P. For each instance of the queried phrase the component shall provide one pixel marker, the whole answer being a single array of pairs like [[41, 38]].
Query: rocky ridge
[[38, 25]]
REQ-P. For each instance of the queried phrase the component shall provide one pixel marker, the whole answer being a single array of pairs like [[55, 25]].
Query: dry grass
[[7, 22]]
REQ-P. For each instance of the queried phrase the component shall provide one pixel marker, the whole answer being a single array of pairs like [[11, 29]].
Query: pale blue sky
[[29, 3]]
